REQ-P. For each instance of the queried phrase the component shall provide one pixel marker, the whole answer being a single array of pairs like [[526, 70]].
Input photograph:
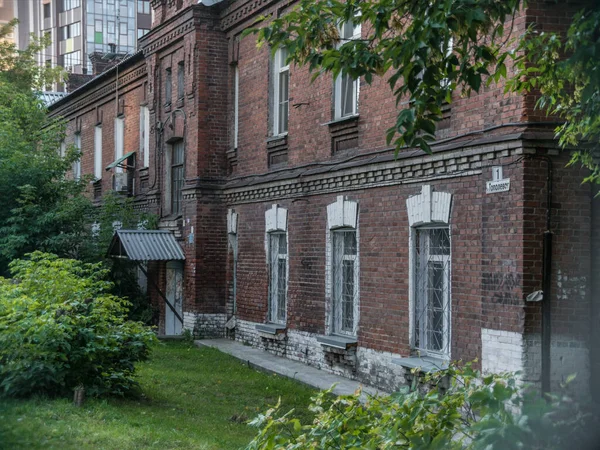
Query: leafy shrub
[[462, 410], [61, 328]]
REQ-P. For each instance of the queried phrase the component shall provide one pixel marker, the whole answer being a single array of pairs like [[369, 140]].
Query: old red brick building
[[304, 235]]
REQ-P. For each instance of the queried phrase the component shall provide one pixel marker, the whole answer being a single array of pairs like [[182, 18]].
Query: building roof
[[138, 56], [145, 245], [50, 97]]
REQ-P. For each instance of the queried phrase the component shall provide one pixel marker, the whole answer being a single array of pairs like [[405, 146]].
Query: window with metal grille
[[278, 263], [344, 280], [431, 247], [281, 78], [346, 88], [177, 177]]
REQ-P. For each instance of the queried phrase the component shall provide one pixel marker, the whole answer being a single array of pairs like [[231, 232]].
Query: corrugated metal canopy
[[145, 245]]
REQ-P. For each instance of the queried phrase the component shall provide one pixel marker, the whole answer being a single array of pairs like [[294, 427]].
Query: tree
[[429, 49], [40, 207], [569, 87]]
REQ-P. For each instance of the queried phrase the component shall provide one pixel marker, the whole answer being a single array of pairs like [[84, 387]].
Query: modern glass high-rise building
[[79, 28]]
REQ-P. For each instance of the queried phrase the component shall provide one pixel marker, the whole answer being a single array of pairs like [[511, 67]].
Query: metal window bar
[[177, 178], [278, 277], [345, 281], [432, 291]]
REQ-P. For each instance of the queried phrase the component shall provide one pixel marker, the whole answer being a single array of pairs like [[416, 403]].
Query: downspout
[[547, 284]]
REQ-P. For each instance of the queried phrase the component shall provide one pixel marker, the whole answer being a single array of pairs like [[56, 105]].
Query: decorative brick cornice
[[418, 169], [242, 10], [93, 98], [168, 38]]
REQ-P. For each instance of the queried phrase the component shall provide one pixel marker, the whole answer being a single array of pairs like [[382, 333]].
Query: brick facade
[[495, 256]]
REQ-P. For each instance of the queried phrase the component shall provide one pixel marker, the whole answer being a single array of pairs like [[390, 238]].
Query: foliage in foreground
[[61, 328], [491, 412]]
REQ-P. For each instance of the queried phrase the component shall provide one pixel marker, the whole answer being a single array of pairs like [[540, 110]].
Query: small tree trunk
[[79, 396]]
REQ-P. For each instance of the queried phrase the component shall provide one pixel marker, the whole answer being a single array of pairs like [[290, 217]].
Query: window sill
[[277, 137], [353, 117], [335, 341], [273, 331], [426, 364]]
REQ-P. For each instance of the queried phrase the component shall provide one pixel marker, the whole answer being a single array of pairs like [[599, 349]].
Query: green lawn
[[192, 399]]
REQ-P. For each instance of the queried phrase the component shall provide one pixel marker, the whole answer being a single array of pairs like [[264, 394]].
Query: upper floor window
[[77, 164], [430, 271], [345, 87], [98, 152], [145, 135], [180, 80], [71, 4], [119, 139], [168, 87], [236, 105], [281, 80], [70, 31], [47, 10], [177, 177], [143, 6]]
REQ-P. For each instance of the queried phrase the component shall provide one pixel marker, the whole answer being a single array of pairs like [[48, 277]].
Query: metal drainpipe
[[547, 284]]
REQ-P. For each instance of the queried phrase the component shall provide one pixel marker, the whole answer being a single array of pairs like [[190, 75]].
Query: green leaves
[[432, 47], [60, 328], [455, 408]]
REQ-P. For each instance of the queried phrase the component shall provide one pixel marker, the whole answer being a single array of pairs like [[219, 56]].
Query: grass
[[192, 399]]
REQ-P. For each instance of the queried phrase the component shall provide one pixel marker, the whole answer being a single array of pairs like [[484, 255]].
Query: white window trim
[[98, 152], [278, 69], [119, 140], [428, 210], [232, 237], [337, 94], [77, 164], [276, 223], [145, 135], [343, 214]]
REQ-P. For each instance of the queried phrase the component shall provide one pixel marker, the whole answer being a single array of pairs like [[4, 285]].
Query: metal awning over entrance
[[148, 245], [145, 245]]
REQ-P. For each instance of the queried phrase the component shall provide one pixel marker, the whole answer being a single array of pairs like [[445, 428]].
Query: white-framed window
[[77, 164], [345, 87], [145, 135], [232, 237], [277, 260], [342, 268], [98, 152], [431, 253], [281, 85], [236, 105], [62, 151], [278, 268], [430, 264], [119, 139]]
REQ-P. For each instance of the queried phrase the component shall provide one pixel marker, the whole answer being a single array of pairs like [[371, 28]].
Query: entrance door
[[173, 325]]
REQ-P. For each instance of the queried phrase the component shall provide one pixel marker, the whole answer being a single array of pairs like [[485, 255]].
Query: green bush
[[459, 410], [61, 328]]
